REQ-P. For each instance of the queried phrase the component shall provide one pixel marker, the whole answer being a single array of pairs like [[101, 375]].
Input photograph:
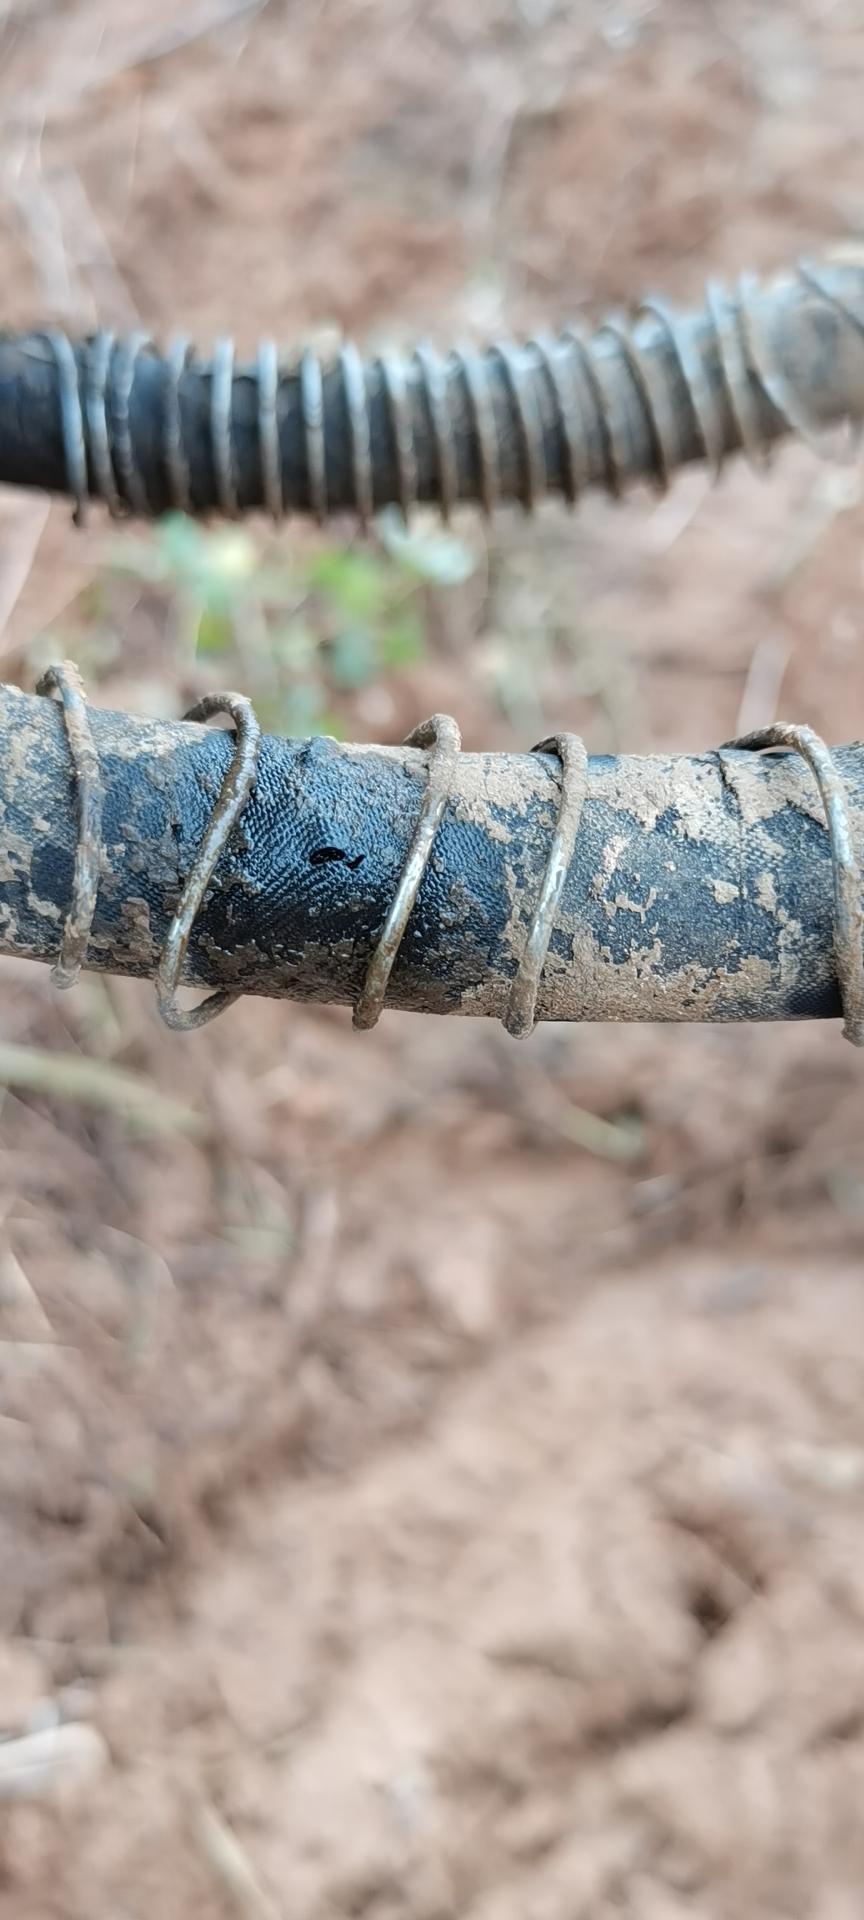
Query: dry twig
[[230, 1861], [98, 1083]]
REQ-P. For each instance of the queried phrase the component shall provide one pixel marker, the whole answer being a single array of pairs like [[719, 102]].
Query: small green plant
[[297, 628]]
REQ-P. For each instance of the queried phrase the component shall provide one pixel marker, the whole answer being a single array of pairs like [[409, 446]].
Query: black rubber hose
[[699, 889], [556, 416]]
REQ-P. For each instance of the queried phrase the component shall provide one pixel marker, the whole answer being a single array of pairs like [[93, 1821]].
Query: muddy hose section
[[525, 886], [117, 420]]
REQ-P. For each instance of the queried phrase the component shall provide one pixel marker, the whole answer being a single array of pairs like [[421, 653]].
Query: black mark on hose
[[322, 857]]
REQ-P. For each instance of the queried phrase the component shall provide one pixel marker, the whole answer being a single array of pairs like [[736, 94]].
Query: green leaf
[[214, 632], [353, 657], [355, 582], [217, 568], [430, 555], [403, 641], [180, 544]]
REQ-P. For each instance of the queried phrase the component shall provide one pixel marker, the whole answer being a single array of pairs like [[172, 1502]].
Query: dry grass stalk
[[19, 1298], [98, 1083], [230, 1862], [762, 687]]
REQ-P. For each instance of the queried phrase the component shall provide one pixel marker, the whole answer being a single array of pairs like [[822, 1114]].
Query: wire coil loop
[[768, 372], [614, 457], [123, 366], [236, 788], [433, 381], [96, 412], [695, 380], [312, 403], [475, 375], [221, 427], [72, 422], [521, 1016], [846, 870], [653, 393], [65, 681], [442, 736], [268, 429], [180, 354], [725, 321], [399, 406], [528, 421], [563, 388], [356, 408]]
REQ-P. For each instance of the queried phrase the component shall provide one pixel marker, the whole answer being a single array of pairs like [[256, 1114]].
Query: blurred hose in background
[[118, 421]]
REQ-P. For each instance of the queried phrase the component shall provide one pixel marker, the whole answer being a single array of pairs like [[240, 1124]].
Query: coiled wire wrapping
[[64, 679], [478, 424], [440, 735], [845, 866], [236, 788]]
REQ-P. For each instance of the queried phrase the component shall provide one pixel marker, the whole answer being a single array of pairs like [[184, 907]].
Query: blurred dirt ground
[[432, 1517]]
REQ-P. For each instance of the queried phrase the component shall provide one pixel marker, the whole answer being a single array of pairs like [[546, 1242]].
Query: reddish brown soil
[[472, 1527]]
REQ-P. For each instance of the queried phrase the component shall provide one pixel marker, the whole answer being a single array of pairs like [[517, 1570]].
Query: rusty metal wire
[[312, 400], [236, 788], [563, 387], [434, 387], [396, 389], [653, 395], [770, 376], [72, 420], [357, 409], [122, 381], [529, 424], [475, 375], [65, 680], [694, 377], [442, 735], [614, 458], [848, 915], [96, 413], [728, 333], [268, 428], [176, 464], [221, 433], [521, 1016]]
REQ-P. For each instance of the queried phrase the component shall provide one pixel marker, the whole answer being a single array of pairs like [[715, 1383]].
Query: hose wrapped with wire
[[720, 887], [118, 421]]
